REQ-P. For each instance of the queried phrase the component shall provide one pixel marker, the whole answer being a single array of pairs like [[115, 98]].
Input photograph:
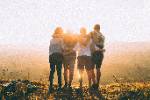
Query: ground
[[26, 90]]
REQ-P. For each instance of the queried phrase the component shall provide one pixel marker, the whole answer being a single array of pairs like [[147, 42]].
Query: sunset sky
[[33, 21]]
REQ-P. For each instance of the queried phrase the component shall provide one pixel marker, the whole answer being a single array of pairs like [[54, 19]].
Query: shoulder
[[102, 35], [56, 40], [90, 34], [51, 40]]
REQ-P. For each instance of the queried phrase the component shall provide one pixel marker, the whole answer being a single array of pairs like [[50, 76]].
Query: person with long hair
[[56, 57]]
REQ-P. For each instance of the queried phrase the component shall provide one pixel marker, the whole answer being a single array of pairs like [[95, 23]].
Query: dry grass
[[39, 91]]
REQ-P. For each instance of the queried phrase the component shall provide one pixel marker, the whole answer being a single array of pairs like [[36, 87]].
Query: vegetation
[[24, 89]]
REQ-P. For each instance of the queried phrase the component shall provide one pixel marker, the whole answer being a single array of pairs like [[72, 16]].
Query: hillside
[[127, 61]]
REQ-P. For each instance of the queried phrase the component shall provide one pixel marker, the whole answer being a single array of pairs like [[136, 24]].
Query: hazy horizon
[[121, 59]]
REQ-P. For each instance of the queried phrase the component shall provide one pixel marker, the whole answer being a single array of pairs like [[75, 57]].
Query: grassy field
[[26, 90]]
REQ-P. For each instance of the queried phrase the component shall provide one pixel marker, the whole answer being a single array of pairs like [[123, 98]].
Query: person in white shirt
[[56, 57], [84, 60], [97, 51]]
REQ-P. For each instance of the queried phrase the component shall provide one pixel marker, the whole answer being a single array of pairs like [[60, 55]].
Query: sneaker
[[90, 87], [59, 89], [65, 86], [95, 86], [79, 91], [70, 87], [50, 90]]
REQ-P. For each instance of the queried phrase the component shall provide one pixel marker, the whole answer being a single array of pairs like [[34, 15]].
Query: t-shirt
[[83, 49], [97, 40], [69, 44], [56, 46]]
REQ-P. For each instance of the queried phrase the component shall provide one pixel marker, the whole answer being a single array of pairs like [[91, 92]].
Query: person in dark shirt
[[97, 51]]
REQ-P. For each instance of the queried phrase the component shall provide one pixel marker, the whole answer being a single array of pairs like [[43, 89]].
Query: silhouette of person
[[56, 57], [97, 51], [69, 58], [84, 60]]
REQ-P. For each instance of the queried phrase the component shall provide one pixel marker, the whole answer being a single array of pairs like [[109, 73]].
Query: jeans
[[59, 72]]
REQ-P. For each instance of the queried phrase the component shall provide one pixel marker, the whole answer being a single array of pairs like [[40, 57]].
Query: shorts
[[97, 58], [69, 61], [85, 61], [56, 58]]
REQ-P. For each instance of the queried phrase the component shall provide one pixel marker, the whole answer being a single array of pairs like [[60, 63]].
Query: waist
[[84, 54], [55, 51], [70, 53], [56, 54], [97, 52]]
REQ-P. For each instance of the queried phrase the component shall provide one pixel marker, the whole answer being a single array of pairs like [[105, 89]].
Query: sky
[[32, 22]]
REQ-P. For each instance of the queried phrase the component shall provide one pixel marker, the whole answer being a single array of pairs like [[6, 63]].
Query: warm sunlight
[[74, 49], [78, 75]]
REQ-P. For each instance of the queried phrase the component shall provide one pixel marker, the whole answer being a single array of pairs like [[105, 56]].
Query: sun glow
[[79, 76]]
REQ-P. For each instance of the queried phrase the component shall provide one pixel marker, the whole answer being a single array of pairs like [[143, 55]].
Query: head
[[58, 32], [96, 27], [83, 31], [83, 38], [70, 39]]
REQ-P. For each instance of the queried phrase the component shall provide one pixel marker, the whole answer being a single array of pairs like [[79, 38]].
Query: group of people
[[87, 48]]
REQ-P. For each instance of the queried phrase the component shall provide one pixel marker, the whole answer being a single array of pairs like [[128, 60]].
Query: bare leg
[[89, 74], [65, 75], [71, 73], [93, 76], [81, 77], [98, 66], [98, 75]]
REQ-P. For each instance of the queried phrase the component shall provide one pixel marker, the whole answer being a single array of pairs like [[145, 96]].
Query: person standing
[[84, 60], [69, 58], [56, 57], [97, 51]]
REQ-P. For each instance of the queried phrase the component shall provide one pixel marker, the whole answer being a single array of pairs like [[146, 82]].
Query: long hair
[[70, 39], [58, 32]]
